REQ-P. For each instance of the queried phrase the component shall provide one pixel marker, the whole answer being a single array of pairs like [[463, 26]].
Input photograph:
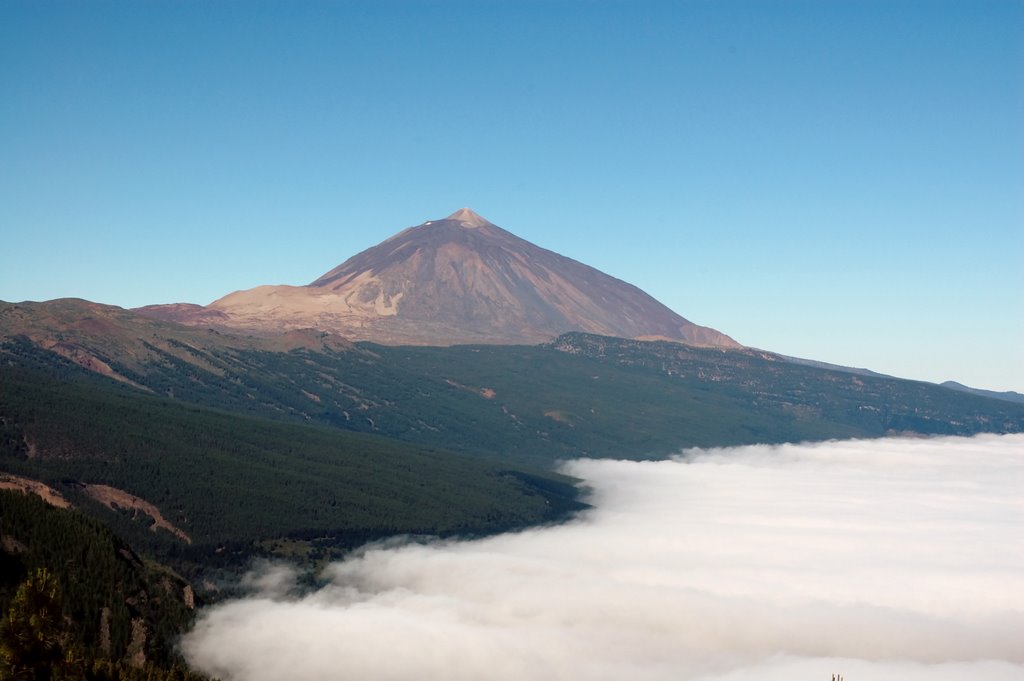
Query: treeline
[[78, 603]]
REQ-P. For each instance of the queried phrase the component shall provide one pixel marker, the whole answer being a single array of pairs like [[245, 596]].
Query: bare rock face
[[459, 280]]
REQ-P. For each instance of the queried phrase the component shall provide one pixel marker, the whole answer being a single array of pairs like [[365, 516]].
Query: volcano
[[458, 280]]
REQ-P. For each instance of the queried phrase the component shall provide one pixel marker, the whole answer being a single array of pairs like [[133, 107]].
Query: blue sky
[[836, 180]]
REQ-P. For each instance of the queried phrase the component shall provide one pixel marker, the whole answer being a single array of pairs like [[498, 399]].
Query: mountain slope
[[583, 395], [452, 281], [227, 480]]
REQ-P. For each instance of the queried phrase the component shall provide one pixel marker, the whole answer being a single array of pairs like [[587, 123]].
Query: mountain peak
[[468, 218], [460, 280]]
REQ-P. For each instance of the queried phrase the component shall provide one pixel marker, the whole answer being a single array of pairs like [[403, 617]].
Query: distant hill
[[1008, 395], [833, 367], [457, 280]]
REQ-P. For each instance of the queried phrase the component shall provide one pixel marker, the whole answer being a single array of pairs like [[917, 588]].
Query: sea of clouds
[[877, 559]]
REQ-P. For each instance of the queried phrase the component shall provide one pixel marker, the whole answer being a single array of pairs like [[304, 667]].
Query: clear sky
[[842, 181]]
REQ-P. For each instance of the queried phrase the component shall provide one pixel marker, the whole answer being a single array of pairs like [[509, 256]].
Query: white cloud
[[875, 559]]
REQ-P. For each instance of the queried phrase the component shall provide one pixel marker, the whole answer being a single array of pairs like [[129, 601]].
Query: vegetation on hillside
[[231, 482], [869, 405], [580, 395], [78, 603]]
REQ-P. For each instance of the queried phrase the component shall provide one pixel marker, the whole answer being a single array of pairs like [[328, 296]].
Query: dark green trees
[[35, 638]]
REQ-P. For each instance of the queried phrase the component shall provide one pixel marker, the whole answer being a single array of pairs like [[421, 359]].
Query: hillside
[[118, 615], [228, 487], [582, 395]]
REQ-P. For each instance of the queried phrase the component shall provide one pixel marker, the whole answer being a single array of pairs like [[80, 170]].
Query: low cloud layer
[[885, 559]]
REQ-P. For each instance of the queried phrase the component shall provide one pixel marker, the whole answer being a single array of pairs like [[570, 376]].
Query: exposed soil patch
[[87, 360], [486, 393], [559, 416], [113, 498], [45, 492]]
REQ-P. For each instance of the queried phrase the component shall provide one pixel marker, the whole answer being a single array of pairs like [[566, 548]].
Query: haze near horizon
[[838, 181]]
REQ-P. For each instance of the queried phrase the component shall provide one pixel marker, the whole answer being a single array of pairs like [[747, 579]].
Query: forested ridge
[[581, 395]]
